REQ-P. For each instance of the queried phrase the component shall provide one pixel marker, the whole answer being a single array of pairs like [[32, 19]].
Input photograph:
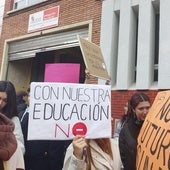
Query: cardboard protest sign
[[93, 59], [62, 72], [153, 151], [61, 110]]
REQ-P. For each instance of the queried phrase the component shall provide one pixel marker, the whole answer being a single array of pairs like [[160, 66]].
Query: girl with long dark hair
[[138, 108]]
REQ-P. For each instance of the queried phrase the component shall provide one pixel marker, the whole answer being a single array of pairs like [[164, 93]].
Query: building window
[[18, 4], [136, 47], [156, 47]]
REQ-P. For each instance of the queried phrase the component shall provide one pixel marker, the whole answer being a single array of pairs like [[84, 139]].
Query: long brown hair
[[104, 144], [134, 102], [10, 109]]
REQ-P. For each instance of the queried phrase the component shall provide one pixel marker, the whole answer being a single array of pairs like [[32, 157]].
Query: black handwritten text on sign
[[55, 108], [154, 138]]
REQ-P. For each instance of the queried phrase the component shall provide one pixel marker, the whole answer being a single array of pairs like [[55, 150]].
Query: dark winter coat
[[21, 107], [128, 143], [42, 155]]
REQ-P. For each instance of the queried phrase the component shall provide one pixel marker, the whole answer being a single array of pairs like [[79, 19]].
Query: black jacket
[[128, 143], [21, 107], [42, 155]]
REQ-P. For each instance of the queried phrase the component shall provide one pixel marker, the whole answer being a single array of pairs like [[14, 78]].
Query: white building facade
[[2, 4], [135, 41]]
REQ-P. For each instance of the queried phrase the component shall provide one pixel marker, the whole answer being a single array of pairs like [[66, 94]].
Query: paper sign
[[62, 72], [43, 19], [93, 59], [58, 111], [153, 151]]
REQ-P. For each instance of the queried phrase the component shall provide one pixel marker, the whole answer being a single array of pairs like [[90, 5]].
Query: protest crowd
[[120, 152]]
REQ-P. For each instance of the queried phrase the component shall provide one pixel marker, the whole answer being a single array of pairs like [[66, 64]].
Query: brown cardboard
[[153, 151], [93, 59]]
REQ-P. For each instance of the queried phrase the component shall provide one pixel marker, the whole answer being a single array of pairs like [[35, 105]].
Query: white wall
[[128, 43], [2, 3]]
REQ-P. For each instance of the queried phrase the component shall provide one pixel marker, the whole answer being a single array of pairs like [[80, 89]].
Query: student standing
[[139, 106], [22, 99], [8, 107], [42, 154], [92, 154]]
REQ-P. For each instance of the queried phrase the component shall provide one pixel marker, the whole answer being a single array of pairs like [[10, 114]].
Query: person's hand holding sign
[[79, 144], [89, 79]]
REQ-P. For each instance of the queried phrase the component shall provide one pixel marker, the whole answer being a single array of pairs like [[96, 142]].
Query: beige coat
[[101, 159]]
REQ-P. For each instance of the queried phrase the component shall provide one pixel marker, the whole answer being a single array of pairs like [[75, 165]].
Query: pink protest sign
[[62, 72]]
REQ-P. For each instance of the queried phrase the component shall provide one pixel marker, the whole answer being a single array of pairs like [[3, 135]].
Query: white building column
[[146, 44], [126, 47], [2, 5], [108, 37], [164, 46]]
